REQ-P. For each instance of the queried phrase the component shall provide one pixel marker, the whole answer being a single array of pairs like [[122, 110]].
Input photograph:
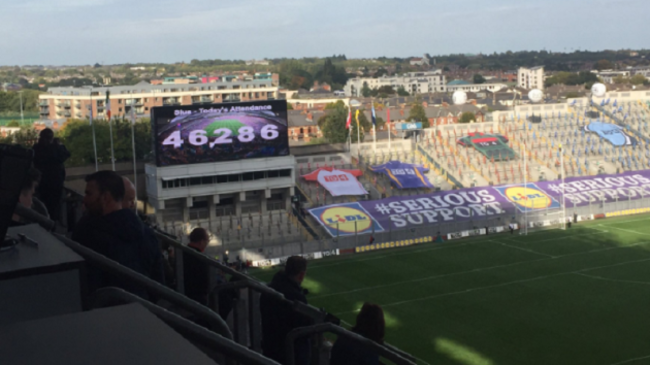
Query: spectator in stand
[[49, 156], [196, 273], [26, 196], [278, 318], [112, 231], [156, 265], [370, 324]]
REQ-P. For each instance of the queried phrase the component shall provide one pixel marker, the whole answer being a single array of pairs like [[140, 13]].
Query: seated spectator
[[156, 264], [26, 196], [370, 324], [113, 232], [278, 318], [196, 274], [49, 156]]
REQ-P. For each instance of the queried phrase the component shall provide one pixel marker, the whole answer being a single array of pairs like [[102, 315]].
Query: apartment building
[[531, 78], [413, 82], [60, 103]]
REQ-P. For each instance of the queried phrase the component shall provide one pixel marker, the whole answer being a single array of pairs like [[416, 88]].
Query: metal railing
[[214, 345], [390, 353]]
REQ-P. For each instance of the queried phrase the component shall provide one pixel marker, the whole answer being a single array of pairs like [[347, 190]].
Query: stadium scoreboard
[[204, 133]]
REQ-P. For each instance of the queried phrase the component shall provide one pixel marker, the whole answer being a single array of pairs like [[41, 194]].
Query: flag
[[347, 122], [374, 117], [356, 116], [108, 105], [388, 117]]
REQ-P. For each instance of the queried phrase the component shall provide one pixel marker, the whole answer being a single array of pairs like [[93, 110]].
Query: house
[[303, 125], [419, 61]]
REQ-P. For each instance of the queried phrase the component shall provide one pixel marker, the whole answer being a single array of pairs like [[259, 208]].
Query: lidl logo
[[346, 219], [528, 197]]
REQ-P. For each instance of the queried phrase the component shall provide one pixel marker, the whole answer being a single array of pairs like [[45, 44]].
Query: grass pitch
[[580, 296]]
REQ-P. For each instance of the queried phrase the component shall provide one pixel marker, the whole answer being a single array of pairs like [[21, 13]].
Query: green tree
[[25, 137], [339, 104], [402, 92], [417, 114], [466, 117], [77, 136], [638, 79], [13, 123], [603, 65], [365, 90], [479, 79], [332, 125]]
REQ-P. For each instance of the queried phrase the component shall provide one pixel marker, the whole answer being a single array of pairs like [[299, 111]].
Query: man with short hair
[[156, 264], [113, 232], [196, 277], [278, 318], [26, 197]]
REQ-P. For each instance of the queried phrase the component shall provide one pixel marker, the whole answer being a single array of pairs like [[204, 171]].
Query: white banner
[[339, 182]]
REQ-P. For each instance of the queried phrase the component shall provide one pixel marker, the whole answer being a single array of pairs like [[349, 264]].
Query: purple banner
[[479, 203], [404, 175]]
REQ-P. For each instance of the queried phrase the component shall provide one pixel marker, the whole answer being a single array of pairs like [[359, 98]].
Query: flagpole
[[90, 117], [110, 127], [525, 195], [374, 127], [358, 136], [135, 168], [388, 123], [563, 187]]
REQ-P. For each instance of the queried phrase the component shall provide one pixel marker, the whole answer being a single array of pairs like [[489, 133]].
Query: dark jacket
[[278, 319], [121, 237], [196, 278], [345, 352], [49, 159]]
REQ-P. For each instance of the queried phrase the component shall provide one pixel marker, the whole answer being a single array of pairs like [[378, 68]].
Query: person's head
[[129, 201], [46, 136], [296, 268], [199, 238], [370, 322], [104, 193], [32, 178]]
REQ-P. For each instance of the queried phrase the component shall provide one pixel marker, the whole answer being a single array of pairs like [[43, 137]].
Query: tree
[[381, 72], [417, 114], [603, 65], [479, 79], [638, 79], [332, 125], [402, 92], [365, 90], [77, 136], [466, 117], [13, 123]]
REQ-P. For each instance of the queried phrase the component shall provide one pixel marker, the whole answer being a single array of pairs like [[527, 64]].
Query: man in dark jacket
[[49, 156], [278, 318], [130, 202], [113, 232], [196, 274]]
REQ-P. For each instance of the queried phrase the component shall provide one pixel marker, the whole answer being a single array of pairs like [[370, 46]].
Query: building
[[413, 82], [419, 61], [461, 85], [303, 125], [608, 76], [60, 103], [257, 62], [531, 78], [641, 70]]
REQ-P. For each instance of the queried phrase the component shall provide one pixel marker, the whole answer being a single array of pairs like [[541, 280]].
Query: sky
[[82, 32]]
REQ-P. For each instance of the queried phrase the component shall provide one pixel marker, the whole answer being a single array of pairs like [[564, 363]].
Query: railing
[[211, 343], [395, 356]]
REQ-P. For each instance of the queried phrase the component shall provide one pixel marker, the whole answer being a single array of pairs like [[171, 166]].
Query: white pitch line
[[559, 237], [631, 231], [632, 360], [433, 277], [614, 280], [525, 250], [503, 284]]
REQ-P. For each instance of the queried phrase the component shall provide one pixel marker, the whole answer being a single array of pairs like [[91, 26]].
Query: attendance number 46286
[[200, 137]]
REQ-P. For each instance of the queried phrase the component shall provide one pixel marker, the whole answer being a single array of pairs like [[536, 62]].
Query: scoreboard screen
[[219, 132]]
